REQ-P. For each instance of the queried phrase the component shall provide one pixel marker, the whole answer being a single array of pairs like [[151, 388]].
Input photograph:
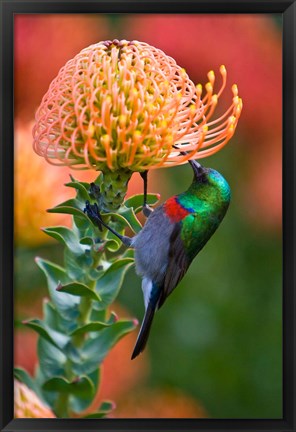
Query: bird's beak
[[198, 169]]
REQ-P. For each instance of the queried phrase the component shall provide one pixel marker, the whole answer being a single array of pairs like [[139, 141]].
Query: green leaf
[[82, 190], [99, 315], [130, 216], [77, 265], [95, 377], [95, 350], [87, 240], [72, 202], [78, 289], [52, 360], [75, 208], [95, 415], [81, 386], [84, 184], [127, 218], [66, 304], [68, 210], [55, 321], [83, 224], [56, 338], [116, 218], [109, 284], [39, 378], [51, 316], [90, 327], [114, 244], [87, 229], [106, 408], [128, 253], [113, 318], [22, 375], [82, 401], [95, 274], [67, 237], [136, 201], [81, 390]]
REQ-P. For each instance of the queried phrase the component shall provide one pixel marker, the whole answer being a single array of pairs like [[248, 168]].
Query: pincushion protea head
[[126, 106]]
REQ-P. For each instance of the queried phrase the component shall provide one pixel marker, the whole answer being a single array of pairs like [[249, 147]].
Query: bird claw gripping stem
[[92, 211], [147, 210]]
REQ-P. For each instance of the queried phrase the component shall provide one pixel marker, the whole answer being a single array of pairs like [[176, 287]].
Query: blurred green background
[[216, 345]]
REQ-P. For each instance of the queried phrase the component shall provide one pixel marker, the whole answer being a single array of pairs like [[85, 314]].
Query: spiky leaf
[[82, 190], [66, 304], [130, 216], [81, 386], [95, 350], [22, 375], [79, 289], [90, 327], [110, 283], [58, 339], [67, 237], [106, 408], [136, 201], [52, 360]]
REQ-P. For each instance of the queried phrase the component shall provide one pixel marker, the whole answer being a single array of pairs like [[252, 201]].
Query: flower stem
[[113, 187], [85, 310], [72, 375], [61, 406]]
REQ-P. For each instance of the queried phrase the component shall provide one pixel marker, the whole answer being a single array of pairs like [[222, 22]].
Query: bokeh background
[[216, 346]]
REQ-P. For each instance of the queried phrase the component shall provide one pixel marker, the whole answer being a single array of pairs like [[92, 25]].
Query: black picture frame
[[10, 7]]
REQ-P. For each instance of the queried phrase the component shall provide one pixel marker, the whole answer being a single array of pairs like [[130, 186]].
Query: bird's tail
[[144, 331]]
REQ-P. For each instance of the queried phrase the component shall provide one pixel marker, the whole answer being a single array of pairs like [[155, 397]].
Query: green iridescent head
[[216, 181], [209, 185]]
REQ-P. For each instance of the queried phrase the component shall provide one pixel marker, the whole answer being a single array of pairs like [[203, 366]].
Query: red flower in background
[[250, 47], [43, 43]]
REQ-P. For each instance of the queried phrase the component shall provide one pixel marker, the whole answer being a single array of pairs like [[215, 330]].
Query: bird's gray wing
[[177, 265]]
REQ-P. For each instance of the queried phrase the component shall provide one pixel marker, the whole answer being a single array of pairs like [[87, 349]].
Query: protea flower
[[27, 404], [121, 107]]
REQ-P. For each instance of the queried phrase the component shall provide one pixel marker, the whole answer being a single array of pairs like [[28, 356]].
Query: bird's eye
[[203, 178]]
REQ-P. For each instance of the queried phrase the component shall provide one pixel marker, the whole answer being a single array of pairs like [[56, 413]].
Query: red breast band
[[174, 210]]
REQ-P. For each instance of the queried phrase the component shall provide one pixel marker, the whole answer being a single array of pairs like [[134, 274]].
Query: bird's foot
[[147, 210], [93, 212]]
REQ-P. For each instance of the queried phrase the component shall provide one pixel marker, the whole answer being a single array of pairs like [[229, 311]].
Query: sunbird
[[174, 233]]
